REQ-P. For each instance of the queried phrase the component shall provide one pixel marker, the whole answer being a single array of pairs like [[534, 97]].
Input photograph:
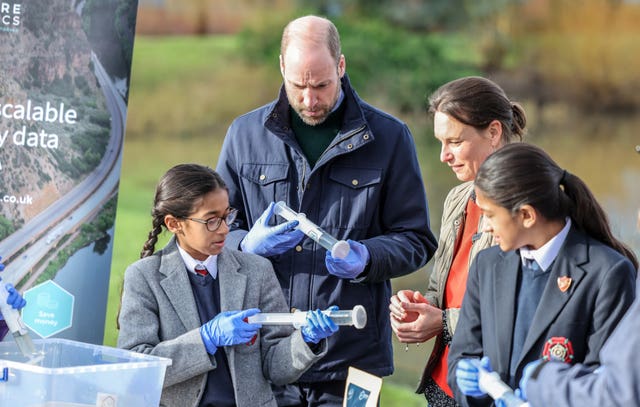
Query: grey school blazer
[[159, 317]]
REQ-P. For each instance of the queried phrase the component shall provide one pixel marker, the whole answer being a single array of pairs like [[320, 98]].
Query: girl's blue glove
[[319, 326], [468, 377], [228, 328], [15, 299]]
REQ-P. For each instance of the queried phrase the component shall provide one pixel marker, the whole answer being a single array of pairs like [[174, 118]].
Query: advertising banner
[[64, 76]]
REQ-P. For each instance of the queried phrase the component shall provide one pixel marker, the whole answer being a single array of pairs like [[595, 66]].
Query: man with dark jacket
[[352, 169]]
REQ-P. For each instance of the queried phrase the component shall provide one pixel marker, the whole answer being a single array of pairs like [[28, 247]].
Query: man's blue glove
[[468, 377], [265, 240], [319, 325], [352, 265], [228, 328], [14, 299]]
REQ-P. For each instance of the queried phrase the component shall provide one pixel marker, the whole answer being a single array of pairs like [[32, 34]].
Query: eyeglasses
[[214, 222]]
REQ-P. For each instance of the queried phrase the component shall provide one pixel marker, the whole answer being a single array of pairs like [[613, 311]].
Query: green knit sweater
[[314, 140]]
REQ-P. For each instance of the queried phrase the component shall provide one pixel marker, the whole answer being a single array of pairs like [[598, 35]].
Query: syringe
[[491, 384], [15, 324], [339, 248], [356, 317]]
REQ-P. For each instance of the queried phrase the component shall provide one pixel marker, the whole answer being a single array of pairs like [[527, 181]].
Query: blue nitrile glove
[[352, 265], [265, 240], [14, 299], [468, 377], [526, 374], [319, 325], [228, 328], [1, 265]]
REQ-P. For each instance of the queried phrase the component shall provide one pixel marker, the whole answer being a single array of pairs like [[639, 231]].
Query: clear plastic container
[[79, 374], [339, 248]]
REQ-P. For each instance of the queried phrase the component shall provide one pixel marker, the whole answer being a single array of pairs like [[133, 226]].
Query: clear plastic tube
[[356, 317], [338, 248], [490, 383]]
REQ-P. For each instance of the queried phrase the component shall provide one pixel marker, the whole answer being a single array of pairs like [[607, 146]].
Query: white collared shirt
[[210, 263], [546, 254]]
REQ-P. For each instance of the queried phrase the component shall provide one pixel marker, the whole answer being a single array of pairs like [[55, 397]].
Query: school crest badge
[[558, 348], [564, 283]]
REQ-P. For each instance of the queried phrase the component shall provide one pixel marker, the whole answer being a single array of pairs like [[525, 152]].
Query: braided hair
[[177, 193], [522, 174]]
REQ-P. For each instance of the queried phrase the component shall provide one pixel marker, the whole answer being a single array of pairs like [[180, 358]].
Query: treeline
[[547, 50]]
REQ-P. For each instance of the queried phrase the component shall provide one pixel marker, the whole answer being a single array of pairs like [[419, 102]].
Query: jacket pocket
[[360, 188], [263, 183]]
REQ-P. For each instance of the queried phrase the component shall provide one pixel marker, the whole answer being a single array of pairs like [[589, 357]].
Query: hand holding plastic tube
[[319, 325], [476, 378], [468, 376], [228, 328], [522, 391], [14, 298], [337, 248], [10, 302], [265, 240], [350, 266]]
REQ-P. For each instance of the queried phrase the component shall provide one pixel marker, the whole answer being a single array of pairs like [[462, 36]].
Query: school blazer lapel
[[505, 274], [572, 255], [177, 287], [233, 284]]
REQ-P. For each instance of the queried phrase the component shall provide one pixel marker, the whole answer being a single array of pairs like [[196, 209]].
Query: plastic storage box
[[77, 374]]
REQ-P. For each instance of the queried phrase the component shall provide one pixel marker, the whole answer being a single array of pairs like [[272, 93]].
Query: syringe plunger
[[356, 317], [338, 248]]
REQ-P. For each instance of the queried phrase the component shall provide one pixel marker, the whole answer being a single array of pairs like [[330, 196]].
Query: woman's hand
[[413, 319]]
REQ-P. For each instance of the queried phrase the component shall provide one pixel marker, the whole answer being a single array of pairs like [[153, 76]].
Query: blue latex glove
[[265, 240], [467, 376], [319, 325], [14, 299], [1, 265], [352, 265], [228, 328], [526, 374]]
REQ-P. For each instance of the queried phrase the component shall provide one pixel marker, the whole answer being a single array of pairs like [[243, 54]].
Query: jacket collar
[[278, 119]]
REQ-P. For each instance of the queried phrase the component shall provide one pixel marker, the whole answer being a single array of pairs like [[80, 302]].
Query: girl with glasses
[[189, 302]]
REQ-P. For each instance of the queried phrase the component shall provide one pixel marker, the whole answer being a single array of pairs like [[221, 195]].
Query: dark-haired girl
[[190, 300], [555, 287]]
